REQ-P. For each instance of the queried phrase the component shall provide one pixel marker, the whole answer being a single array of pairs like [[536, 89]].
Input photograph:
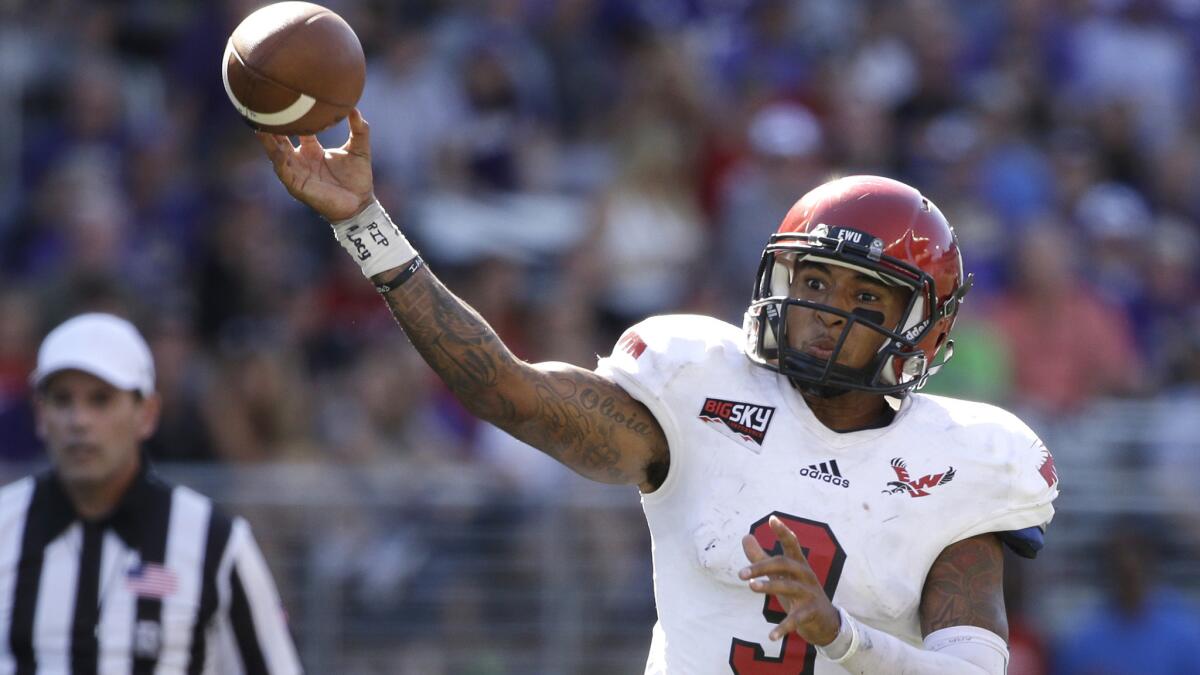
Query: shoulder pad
[[653, 351], [1021, 482]]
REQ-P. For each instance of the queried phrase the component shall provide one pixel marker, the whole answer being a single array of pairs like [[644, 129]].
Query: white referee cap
[[103, 345]]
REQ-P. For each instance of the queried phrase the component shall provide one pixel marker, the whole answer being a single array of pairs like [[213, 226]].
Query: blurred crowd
[[571, 166]]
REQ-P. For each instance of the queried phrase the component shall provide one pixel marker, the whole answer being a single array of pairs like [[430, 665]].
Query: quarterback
[[810, 513]]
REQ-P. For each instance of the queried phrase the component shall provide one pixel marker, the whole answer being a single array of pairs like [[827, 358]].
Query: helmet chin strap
[[826, 393]]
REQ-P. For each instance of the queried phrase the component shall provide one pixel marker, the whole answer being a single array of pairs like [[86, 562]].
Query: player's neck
[[851, 411]]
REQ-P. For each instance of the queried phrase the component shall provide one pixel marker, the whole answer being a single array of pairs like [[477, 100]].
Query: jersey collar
[[799, 407], [125, 519]]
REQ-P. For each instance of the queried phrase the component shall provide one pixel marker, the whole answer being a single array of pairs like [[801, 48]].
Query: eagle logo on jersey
[[918, 487], [737, 420]]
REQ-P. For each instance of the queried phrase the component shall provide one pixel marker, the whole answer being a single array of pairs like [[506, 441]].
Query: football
[[293, 68]]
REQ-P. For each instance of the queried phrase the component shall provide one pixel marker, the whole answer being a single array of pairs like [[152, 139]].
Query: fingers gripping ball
[[293, 68]]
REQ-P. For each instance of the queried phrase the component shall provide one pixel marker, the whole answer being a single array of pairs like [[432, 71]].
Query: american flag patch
[[150, 580]]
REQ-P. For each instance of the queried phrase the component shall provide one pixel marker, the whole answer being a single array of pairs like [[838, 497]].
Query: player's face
[[91, 429], [816, 333]]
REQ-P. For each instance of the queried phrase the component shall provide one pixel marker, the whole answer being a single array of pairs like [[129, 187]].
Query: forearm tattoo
[[575, 416], [965, 586]]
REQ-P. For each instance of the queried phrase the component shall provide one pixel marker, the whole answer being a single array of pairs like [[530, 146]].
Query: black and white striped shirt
[[166, 584]]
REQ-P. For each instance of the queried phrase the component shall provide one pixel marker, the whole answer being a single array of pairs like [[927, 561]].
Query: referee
[[104, 568]]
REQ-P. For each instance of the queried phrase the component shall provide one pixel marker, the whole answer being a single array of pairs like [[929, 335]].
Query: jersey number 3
[[826, 557]]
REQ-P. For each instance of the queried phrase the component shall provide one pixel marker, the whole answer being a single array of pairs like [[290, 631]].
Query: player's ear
[[149, 412]]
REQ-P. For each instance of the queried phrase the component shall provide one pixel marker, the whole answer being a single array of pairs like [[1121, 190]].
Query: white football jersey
[[873, 509]]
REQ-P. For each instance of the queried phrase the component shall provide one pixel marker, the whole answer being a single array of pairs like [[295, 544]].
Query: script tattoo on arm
[[577, 417], [965, 587]]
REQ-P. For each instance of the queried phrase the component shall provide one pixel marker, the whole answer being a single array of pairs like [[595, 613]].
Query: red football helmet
[[884, 229]]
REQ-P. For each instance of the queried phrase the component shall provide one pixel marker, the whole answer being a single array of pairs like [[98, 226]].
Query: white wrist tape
[[958, 650], [374, 241], [846, 638], [971, 644]]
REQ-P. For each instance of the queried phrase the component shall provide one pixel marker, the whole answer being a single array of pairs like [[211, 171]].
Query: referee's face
[[91, 429]]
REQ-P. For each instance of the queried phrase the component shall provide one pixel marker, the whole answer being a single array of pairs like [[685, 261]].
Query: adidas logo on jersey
[[826, 472]]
